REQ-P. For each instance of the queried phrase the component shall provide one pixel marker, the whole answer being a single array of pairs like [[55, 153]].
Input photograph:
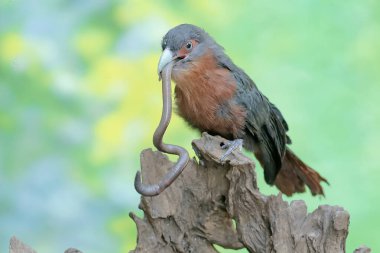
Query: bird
[[214, 95]]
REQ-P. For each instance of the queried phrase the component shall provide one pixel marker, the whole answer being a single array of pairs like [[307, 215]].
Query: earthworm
[[179, 166]]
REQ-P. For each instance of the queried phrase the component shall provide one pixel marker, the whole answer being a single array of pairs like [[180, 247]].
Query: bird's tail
[[294, 174]]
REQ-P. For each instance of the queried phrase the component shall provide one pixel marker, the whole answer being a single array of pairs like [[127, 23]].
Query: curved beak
[[166, 57]]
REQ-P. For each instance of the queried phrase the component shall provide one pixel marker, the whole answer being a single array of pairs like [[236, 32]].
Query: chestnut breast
[[204, 95]]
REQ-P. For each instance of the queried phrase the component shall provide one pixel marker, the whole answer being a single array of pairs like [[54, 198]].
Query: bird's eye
[[189, 45]]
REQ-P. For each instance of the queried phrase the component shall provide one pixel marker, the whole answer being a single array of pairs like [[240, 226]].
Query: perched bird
[[215, 96]]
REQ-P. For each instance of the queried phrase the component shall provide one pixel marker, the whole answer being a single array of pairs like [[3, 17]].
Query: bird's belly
[[210, 115], [204, 96]]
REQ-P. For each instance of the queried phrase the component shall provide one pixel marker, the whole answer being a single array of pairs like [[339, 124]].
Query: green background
[[80, 98]]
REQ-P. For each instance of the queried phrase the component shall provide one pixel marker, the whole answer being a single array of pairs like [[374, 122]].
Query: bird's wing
[[263, 117], [279, 116], [264, 122]]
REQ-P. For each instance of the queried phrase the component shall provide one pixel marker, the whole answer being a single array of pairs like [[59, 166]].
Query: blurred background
[[80, 98]]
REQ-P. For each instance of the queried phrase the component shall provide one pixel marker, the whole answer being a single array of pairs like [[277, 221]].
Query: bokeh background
[[80, 98]]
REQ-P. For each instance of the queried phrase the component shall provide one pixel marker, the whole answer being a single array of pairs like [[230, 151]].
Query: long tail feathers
[[294, 174]]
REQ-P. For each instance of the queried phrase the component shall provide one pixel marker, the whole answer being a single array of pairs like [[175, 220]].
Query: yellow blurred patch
[[120, 225], [125, 229], [109, 133], [133, 10], [11, 46], [105, 72], [92, 43]]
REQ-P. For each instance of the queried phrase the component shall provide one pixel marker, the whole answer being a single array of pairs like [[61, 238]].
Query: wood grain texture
[[17, 246], [221, 204]]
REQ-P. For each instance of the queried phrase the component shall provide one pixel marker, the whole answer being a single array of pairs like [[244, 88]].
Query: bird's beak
[[166, 57]]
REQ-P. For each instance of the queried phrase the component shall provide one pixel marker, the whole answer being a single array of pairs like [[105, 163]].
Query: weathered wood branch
[[213, 203], [17, 246]]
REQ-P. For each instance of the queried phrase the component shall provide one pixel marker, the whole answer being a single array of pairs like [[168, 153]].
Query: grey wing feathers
[[263, 116], [279, 116], [265, 126], [265, 123]]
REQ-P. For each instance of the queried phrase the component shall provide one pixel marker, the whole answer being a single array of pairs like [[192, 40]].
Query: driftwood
[[17, 246], [213, 203]]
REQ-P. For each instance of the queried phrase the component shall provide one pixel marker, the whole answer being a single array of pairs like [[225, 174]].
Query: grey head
[[176, 37], [185, 43]]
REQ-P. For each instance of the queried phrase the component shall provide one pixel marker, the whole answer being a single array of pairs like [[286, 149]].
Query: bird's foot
[[230, 146]]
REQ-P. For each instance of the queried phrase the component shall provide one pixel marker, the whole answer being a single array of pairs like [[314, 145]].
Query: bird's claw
[[230, 146]]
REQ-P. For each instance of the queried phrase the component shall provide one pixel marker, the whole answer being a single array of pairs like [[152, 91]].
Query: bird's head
[[184, 43]]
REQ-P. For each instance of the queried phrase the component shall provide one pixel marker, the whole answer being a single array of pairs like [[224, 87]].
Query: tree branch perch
[[216, 203], [203, 205]]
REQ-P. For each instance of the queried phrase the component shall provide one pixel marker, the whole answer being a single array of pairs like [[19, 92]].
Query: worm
[[183, 159]]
